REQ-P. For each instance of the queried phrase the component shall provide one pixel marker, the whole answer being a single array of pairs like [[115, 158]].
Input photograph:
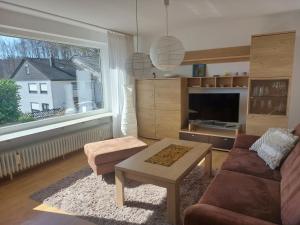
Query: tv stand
[[221, 139], [194, 124]]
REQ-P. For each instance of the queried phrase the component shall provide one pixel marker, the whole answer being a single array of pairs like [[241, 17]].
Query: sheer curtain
[[120, 48]]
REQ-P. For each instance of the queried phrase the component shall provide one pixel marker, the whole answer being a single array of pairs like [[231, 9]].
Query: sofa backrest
[[297, 130], [290, 186]]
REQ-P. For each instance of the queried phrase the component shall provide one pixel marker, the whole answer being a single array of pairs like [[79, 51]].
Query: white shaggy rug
[[92, 198]]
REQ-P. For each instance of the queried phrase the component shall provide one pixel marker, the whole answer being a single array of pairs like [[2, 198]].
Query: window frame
[[41, 91], [35, 110], [103, 46], [32, 92], [43, 104]]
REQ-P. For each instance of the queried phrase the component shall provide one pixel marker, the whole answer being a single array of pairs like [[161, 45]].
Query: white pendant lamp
[[140, 63], [167, 52]]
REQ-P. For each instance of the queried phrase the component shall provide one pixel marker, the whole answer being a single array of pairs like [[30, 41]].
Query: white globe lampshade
[[140, 65], [167, 53]]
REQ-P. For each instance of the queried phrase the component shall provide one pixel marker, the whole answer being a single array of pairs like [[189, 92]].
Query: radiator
[[28, 156]]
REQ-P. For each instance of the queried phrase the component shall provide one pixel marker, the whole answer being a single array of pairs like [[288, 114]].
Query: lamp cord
[[167, 16], [137, 25]]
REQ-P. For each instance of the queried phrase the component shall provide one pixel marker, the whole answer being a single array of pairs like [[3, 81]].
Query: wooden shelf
[[208, 82], [272, 58], [268, 97], [218, 55], [219, 82]]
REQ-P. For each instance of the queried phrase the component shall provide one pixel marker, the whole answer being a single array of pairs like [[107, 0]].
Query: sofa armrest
[[244, 141], [203, 214]]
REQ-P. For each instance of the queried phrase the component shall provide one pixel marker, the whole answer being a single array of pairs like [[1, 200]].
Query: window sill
[[50, 128]]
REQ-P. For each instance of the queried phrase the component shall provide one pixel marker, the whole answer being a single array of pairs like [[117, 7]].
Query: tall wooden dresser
[[271, 68], [161, 107]]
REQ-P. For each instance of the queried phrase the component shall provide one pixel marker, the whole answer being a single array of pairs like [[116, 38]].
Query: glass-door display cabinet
[[268, 96]]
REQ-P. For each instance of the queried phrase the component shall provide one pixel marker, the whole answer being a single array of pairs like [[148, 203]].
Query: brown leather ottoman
[[104, 155]]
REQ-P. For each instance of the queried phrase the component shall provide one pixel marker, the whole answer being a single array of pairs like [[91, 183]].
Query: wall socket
[[18, 158]]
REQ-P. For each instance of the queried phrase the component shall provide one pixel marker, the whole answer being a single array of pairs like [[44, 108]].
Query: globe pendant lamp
[[140, 63], [167, 52]]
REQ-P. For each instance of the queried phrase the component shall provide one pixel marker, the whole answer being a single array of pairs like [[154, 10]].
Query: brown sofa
[[247, 192]]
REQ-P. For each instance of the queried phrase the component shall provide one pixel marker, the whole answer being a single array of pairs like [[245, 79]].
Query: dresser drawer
[[221, 142], [194, 137], [217, 142]]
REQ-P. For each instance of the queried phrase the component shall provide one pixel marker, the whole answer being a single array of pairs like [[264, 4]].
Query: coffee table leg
[[119, 180], [208, 163], [173, 202]]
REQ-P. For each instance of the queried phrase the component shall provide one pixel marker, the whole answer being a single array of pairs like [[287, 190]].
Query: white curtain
[[120, 48]]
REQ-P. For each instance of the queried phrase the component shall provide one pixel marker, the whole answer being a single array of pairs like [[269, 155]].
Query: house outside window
[[46, 76], [45, 106], [33, 88], [35, 107], [43, 88], [74, 86]]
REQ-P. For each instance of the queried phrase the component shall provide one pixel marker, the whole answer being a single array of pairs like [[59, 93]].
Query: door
[[145, 108], [167, 94], [272, 55], [167, 123], [146, 123]]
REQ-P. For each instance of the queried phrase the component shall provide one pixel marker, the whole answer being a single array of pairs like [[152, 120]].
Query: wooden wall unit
[[258, 124], [219, 138], [219, 82], [272, 55], [218, 55], [271, 68], [145, 107], [161, 107]]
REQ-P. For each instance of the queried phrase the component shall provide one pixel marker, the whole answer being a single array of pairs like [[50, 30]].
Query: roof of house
[[61, 70], [8, 66]]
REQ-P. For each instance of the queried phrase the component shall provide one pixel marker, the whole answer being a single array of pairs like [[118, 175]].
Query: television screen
[[221, 107]]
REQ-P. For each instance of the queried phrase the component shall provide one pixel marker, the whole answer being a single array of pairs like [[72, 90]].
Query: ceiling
[[119, 15]]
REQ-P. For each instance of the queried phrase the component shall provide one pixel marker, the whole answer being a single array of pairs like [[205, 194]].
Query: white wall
[[234, 32], [228, 32], [20, 24], [85, 93], [58, 93]]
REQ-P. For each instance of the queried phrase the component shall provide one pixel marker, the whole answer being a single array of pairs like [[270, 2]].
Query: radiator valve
[[18, 158]]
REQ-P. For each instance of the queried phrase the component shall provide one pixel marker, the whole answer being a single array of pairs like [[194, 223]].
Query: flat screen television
[[214, 106]]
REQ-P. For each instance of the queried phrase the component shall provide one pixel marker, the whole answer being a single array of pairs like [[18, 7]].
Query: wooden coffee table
[[135, 168]]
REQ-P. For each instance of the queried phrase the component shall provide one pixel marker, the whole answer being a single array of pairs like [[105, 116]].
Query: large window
[[48, 80]]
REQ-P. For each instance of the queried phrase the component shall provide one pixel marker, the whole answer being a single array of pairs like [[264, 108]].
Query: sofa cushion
[[277, 147], [248, 162], [203, 214], [290, 188], [113, 150], [245, 194], [268, 138]]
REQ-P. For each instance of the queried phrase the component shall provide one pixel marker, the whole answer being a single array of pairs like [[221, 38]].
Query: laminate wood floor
[[16, 207]]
